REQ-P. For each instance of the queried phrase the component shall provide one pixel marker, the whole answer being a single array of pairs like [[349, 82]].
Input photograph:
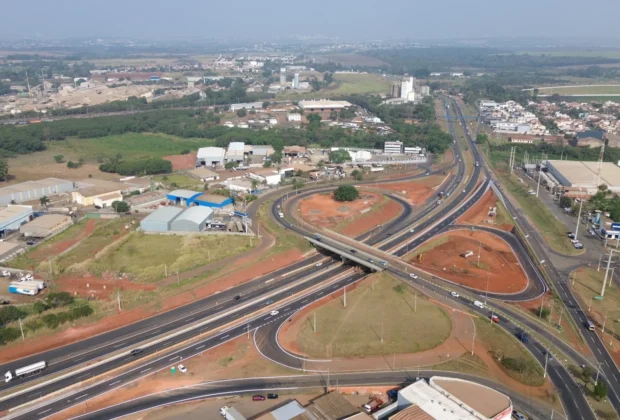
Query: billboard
[[615, 226]]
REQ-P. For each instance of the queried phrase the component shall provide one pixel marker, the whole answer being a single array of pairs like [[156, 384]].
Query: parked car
[[570, 235], [6, 273], [318, 264], [518, 416], [268, 302], [182, 368], [258, 398], [30, 243], [272, 396]]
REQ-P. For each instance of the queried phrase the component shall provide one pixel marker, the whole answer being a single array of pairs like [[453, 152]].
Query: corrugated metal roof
[[186, 194], [204, 152], [11, 212], [163, 214], [236, 145], [196, 214], [288, 411], [212, 198]]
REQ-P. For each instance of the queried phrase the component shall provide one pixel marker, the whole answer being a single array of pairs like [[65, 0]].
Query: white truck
[[24, 371], [230, 413]]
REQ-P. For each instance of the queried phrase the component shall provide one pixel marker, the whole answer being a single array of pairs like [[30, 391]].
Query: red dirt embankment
[[479, 213], [323, 210], [182, 162], [44, 252], [417, 191], [499, 266], [370, 220]]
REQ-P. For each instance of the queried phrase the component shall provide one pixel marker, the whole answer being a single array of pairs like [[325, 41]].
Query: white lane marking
[[83, 376], [599, 351], [42, 412], [199, 347], [79, 358], [81, 396], [118, 345], [175, 357], [221, 338], [155, 332], [304, 301], [114, 383], [145, 370], [267, 318], [189, 319]]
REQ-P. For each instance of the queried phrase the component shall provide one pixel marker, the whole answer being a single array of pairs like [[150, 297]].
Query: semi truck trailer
[[25, 371]]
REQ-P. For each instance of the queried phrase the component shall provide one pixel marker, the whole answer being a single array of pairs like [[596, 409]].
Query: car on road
[[353, 251], [495, 319], [237, 297], [570, 235], [268, 302], [274, 313], [413, 276], [30, 243], [464, 192], [182, 368], [549, 355], [258, 398], [574, 241], [318, 264], [479, 304], [578, 245], [521, 335], [518, 416], [136, 352], [388, 235], [272, 396], [454, 294], [411, 230]]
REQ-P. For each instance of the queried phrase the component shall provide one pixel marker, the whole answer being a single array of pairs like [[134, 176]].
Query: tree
[[600, 390], [482, 138], [544, 312], [267, 164], [566, 202], [298, 184], [276, 157], [254, 185], [44, 201], [346, 193], [59, 158], [587, 373], [241, 113], [313, 118], [265, 105], [230, 165], [357, 175], [4, 170], [339, 156], [120, 206]]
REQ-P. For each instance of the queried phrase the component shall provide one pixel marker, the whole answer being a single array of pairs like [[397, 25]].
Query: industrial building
[[44, 226], [235, 152], [204, 174], [249, 105], [323, 105], [182, 197], [193, 219], [212, 200], [104, 192], [210, 156], [296, 81], [393, 147], [583, 178], [33, 190], [265, 176], [13, 217], [443, 398], [160, 220]]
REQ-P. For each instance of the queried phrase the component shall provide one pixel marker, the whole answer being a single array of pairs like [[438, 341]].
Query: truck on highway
[[25, 371], [230, 413], [373, 405]]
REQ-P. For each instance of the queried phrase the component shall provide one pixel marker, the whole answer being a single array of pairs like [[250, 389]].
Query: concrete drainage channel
[[123, 352]]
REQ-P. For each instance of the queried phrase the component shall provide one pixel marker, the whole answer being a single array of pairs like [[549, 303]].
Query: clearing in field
[[175, 181], [379, 307], [323, 210], [444, 256], [146, 258], [481, 213]]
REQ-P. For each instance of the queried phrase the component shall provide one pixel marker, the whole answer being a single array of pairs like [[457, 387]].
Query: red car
[[495, 318], [258, 398]]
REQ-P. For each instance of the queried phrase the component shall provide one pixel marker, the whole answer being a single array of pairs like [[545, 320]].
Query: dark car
[[237, 297], [272, 396], [136, 352], [353, 251], [523, 337], [30, 243], [258, 398]]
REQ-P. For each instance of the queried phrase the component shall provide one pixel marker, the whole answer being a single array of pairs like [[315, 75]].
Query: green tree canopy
[[346, 193], [120, 206], [339, 156]]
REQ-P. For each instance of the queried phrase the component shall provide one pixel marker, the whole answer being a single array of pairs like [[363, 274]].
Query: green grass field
[[144, 257], [355, 331], [175, 181], [129, 145], [346, 84], [588, 285], [607, 89]]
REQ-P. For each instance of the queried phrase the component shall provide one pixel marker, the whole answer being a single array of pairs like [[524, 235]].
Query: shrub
[[346, 193], [33, 325], [40, 307], [59, 158], [59, 299], [82, 311], [9, 334], [10, 314], [50, 321]]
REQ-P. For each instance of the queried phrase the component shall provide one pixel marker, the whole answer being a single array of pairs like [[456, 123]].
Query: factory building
[[584, 177], [204, 174], [44, 226], [182, 197], [265, 176], [160, 220], [210, 156], [13, 217], [193, 219], [33, 190], [97, 192], [212, 200], [393, 147], [235, 152], [249, 105], [323, 105]]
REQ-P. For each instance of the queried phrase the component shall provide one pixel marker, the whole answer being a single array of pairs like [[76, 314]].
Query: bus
[[589, 325]]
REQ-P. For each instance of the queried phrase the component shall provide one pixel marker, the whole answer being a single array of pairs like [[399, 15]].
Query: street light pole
[[578, 219], [538, 185], [606, 272]]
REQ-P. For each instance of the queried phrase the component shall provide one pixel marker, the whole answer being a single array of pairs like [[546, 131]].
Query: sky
[[346, 19]]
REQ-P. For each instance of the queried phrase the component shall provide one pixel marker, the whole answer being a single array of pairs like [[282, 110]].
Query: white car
[[318, 264], [182, 368], [411, 230], [274, 313], [454, 294], [6, 273], [413, 276]]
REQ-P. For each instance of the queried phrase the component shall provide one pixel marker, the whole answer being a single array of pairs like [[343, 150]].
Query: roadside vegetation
[[587, 284], [358, 329], [285, 238]]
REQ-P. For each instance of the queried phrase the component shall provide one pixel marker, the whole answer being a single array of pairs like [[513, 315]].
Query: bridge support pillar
[[344, 259]]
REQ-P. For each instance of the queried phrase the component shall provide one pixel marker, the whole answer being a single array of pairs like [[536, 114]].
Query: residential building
[[33, 190], [210, 156], [267, 176], [44, 226], [393, 147], [294, 151]]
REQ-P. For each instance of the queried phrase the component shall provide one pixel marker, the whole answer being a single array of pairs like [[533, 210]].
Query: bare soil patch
[[480, 213], [498, 267], [381, 215], [182, 162], [323, 210], [417, 191]]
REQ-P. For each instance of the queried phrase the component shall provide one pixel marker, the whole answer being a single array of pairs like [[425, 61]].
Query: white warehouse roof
[[207, 152], [236, 146], [324, 104], [196, 214]]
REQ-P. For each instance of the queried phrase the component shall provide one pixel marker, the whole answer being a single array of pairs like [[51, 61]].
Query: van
[[479, 304], [589, 325]]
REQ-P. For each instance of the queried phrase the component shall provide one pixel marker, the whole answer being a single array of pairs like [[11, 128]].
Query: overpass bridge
[[347, 254]]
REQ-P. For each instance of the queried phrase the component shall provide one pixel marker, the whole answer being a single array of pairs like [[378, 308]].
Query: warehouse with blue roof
[[193, 219], [212, 200], [182, 197], [160, 220]]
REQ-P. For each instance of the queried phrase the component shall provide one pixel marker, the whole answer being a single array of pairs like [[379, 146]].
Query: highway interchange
[[237, 321]]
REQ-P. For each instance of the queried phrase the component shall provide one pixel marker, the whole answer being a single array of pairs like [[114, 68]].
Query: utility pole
[[606, 272], [381, 332], [602, 329], [248, 328], [473, 341], [599, 263], [479, 247], [21, 327], [538, 184], [314, 321], [345, 296], [542, 305], [561, 313], [578, 219], [546, 360], [118, 298], [165, 270]]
